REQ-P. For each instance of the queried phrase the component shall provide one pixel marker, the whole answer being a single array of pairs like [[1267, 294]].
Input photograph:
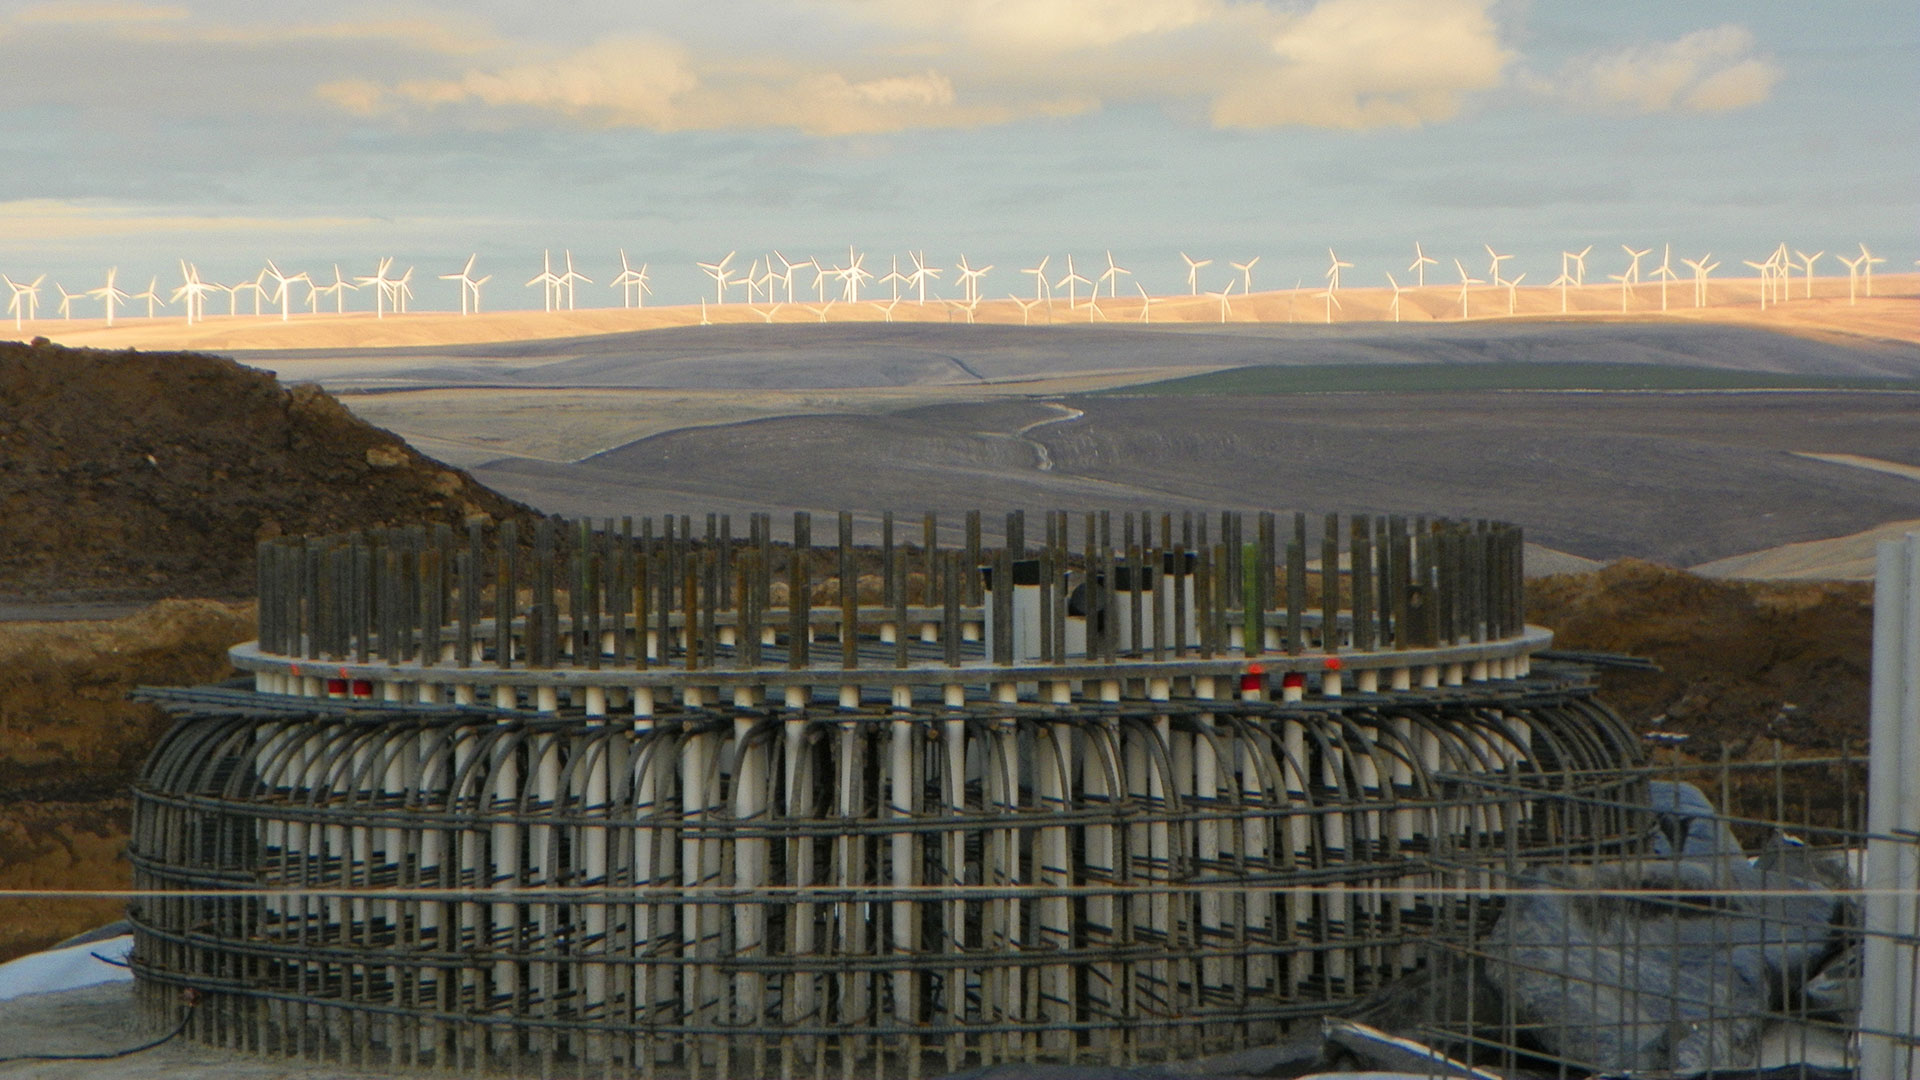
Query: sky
[[229, 132]]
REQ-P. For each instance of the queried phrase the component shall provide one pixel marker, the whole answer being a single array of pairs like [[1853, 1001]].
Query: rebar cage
[[1068, 818]]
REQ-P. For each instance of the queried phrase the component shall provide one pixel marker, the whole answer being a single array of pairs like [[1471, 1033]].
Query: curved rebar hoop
[[1144, 877]]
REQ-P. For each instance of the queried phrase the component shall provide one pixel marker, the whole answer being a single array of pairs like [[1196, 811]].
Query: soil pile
[[143, 475], [71, 745], [1734, 654]]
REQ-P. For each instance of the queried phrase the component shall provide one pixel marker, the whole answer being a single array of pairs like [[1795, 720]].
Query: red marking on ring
[[1333, 663], [363, 688], [295, 668], [336, 686], [1255, 679], [1293, 680]]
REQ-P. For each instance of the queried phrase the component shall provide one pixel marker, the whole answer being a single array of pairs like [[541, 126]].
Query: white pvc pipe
[[1888, 1021]]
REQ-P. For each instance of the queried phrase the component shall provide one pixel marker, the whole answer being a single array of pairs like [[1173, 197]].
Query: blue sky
[[229, 132]]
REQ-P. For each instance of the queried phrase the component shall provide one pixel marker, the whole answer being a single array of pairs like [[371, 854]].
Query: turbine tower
[[1579, 261], [1868, 259], [894, 278], [1806, 263], [1561, 283], [1701, 267], [1112, 276], [921, 274], [1766, 278], [1665, 273], [1193, 273], [1853, 275], [193, 292], [1070, 281], [719, 272], [1467, 281], [1513, 286], [570, 279], [854, 275], [465, 278], [1226, 308], [1494, 270], [1146, 304], [1246, 274], [283, 288], [66, 300], [1420, 263], [151, 296], [970, 282], [1633, 271], [1395, 306], [109, 294], [1333, 271], [25, 302], [1042, 290], [383, 287]]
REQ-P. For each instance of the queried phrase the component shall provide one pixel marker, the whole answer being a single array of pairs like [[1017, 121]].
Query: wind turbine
[[568, 280], [1701, 267], [771, 312], [465, 278], [1625, 278], [886, 309], [1420, 264], [283, 288], [719, 272], [1070, 281], [66, 300], [921, 273], [1782, 264], [1561, 283], [151, 296], [1332, 300], [25, 303], [1042, 290], [255, 287], [403, 291], [1193, 273], [1806, 263], [1853, 275], [1333, 271], [339, 288], [1146, 304], [786, 272], [109, 294], [1467, 281], [1395, 306], [1026, 309], [1633, 271], [823, 309], [1497, 260], [1513, 286], [1112, 277], [751, 283], [1579, 265], [1665, 273], [1246, 274], [1766, 278], [193, 291], [970, 281], [854, 275], [1226, 308], [895, 279], [383, 286], [624, 280], [1867, 260]]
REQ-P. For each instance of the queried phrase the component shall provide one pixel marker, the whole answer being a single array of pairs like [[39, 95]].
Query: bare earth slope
[[153, 474]]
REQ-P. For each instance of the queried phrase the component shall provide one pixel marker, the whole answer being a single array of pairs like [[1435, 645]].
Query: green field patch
[[1499, 375]]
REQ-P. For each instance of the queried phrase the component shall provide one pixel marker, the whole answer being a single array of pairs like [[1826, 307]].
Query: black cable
[[109, 1055]]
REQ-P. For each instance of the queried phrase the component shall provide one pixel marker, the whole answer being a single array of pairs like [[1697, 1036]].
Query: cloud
[[1369, 63], [1712, 70], [966, 63], [62, 219], [653, 83], [1046, 26]]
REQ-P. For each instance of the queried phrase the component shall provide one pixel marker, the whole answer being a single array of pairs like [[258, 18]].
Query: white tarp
[[67, 969]]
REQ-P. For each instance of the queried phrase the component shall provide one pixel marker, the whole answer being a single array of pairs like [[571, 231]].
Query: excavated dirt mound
[[142, 475], [1733, 654]]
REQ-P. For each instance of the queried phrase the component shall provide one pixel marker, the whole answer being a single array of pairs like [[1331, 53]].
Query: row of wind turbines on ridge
[[762, 282]]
